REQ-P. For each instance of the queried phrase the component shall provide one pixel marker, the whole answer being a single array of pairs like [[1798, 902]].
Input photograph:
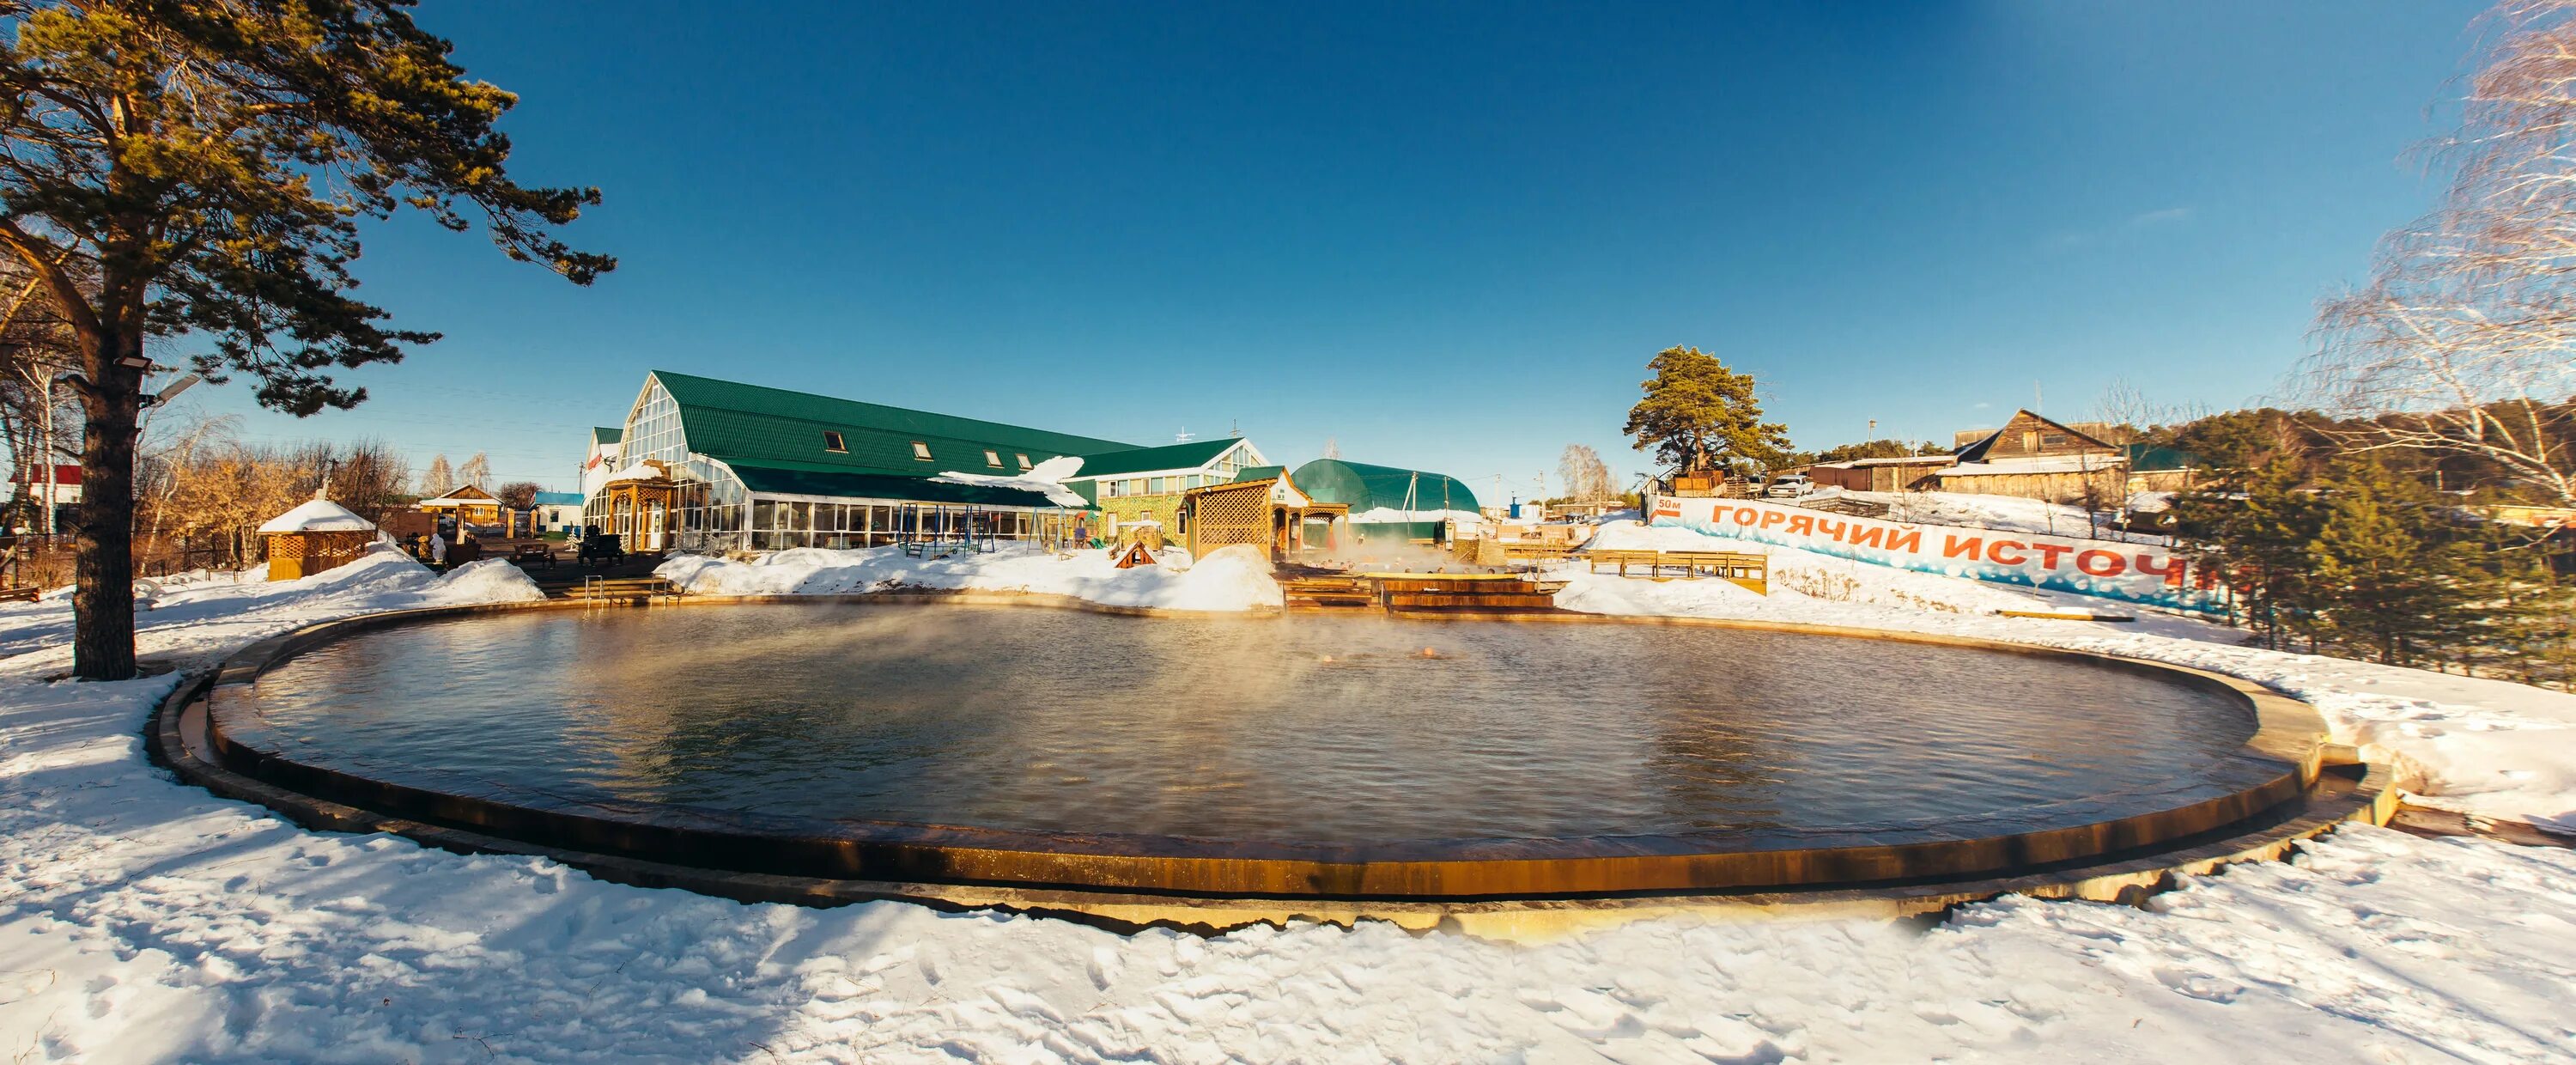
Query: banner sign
[[2136, 573]]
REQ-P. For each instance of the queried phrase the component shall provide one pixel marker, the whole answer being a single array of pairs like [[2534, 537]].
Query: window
[[1153, 486], [1135, 486], [832, 442], [921, 451], [1024, 461], [2052, 439], [992, 458]]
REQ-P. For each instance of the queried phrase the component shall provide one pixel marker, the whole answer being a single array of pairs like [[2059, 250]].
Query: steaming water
[[1312, 728]]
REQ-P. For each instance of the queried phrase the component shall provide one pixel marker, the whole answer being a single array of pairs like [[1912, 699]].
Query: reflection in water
[[1312, 728]]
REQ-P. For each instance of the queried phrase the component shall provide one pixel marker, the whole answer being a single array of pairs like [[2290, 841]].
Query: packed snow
[[144, 919]]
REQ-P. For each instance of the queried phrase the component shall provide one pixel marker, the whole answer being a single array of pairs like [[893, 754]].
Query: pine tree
[[1701, 416], [2379, 583], [203, 169], [2254, 527], [438, 479]]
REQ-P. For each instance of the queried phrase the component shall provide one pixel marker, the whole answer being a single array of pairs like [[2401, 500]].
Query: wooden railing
[[1747, 570]]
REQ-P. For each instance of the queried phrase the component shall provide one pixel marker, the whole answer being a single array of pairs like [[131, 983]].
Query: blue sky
[[1445, 236]]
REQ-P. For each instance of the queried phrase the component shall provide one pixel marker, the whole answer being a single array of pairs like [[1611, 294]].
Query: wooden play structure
[[316, 536], [1749, 571]]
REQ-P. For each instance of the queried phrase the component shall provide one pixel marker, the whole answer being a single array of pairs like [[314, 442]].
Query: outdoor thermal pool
[[1306, 730]]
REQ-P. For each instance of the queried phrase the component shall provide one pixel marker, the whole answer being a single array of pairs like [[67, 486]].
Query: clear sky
[[1446, 236]]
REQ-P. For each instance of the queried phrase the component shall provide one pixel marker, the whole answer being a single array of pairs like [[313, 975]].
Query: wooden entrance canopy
[[642, 503]]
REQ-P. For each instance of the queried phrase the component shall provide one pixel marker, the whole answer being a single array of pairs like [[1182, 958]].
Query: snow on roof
[[2039, 464], [320, 515], [1900, 460], [640, 471]]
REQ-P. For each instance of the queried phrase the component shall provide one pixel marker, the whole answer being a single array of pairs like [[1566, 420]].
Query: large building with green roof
[[1145, 484], [709, 465]]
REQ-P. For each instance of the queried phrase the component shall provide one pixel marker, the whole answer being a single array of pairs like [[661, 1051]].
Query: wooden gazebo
[[641, 500], [1270, 511], [314, 537]]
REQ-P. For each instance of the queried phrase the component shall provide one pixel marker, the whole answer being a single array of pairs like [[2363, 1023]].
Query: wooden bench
[[20, 595], [533, 553], [1752, 572]]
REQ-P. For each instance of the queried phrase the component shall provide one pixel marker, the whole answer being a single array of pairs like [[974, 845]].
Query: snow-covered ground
[[141, 919], [2011, 513]]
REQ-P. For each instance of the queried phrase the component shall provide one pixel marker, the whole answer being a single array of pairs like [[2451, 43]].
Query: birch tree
[[2463, 340]]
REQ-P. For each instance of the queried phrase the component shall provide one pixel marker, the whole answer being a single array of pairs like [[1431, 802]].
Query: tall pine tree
[[200, 169], [2382, 584], [1700, 416]]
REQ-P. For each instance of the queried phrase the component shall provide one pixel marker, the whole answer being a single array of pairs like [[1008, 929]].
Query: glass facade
[[713, 512]]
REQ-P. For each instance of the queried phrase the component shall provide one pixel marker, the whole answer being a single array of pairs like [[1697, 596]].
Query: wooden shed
[[1903, 473], [1271, 512], [2036, 458], [314, 537]]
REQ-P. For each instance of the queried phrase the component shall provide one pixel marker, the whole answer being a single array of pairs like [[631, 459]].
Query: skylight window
[[832, 442], [992, 458], [1024, 460], [921, 451]]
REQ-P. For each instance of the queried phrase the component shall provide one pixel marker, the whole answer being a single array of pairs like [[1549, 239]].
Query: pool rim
[[2287, 731]]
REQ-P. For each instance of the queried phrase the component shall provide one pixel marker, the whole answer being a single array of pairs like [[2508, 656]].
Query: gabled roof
[[465, 493], [2151, 457], [741, 423], [558, 499], [1976, 452], [601, 434], [1188, 456]]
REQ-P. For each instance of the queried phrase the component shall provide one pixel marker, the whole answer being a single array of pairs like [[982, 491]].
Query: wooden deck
[[1427, 593]]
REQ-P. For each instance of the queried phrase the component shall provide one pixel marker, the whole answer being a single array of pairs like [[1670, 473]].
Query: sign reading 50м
[[2138, 573]]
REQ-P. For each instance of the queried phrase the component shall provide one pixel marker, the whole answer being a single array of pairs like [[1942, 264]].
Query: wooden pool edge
[[1194, 888]]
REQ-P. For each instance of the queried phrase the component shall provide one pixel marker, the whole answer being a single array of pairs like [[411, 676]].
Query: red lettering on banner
[[1995, 553], [1744, 515], [1801, 525], [1957, 546], [1868, 537], [1668, 511], [1772, 517], [1831, 528], [2048, 553], [2171, 571], [1910, 540], [2101, 564]]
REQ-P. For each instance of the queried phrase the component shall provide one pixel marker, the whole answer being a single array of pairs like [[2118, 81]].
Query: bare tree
[[438, 479], [477, 471], [2459, 341], [1587, 478]]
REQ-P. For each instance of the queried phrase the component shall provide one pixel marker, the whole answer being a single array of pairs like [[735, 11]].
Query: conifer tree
[[2255, 526], [2380, 583], [1699, 415], [201, 169]]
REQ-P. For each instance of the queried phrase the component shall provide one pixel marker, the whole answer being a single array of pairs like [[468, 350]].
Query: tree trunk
[[103, 602]]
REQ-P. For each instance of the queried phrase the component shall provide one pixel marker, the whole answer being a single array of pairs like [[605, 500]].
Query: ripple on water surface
[[1311, 728]]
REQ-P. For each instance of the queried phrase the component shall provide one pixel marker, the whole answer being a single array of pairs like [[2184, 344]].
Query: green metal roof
[[1367, 487], [813, 481], [2147, 457], [601, 434], [780, 429], [1189, 456], [1261, 473]]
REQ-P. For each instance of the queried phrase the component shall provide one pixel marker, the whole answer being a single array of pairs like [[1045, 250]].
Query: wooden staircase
[[1423, 593]]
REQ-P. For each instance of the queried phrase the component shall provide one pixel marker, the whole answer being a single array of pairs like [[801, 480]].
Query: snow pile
[[1229, 579], [2008, 513]]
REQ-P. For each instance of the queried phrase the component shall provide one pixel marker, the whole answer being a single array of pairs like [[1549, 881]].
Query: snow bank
[[1229, 579]]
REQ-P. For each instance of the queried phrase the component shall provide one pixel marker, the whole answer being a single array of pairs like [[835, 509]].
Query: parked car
[[1788, 486]]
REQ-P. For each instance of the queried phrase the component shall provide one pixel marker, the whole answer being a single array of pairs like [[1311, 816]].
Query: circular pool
[[1257, 755]]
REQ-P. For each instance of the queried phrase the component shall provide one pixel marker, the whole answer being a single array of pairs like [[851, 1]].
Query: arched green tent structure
[[1368, 488]]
